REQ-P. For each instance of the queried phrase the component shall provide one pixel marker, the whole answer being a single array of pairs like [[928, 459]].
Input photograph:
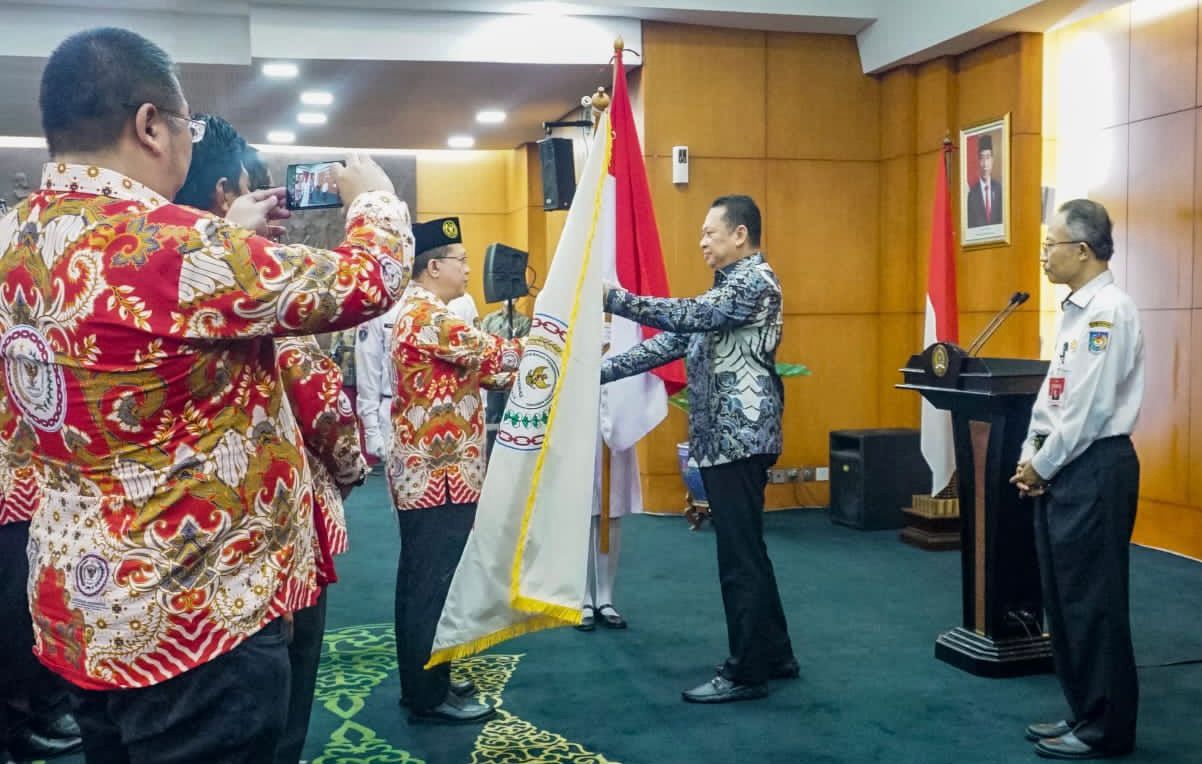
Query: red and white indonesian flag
[[631, 407], [942, 325], [526, 559]]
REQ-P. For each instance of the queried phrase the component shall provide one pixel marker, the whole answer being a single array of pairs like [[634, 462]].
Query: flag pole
[[600, 103]]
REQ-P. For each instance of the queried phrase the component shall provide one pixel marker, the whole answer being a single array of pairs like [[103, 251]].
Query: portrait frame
[[985, 215]]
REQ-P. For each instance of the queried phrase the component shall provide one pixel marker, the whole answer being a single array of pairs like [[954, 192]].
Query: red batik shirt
[[176, 512], [437, 454], [313, 385]]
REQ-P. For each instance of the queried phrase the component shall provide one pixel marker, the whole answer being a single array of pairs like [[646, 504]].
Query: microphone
[[1018, 298]]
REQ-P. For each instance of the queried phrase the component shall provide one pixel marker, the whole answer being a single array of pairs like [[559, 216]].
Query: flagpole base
[[934, 534]]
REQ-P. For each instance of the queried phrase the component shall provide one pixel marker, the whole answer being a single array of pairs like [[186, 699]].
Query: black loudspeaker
[[559, 173], [874, 473], [504, 273]]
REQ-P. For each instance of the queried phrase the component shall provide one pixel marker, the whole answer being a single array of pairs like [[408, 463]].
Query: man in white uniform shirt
[[1079, 462], [375, 377]]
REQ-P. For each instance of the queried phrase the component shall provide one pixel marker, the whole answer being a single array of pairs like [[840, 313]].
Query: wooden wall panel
[[896, 274], [1174, 527], [1195, 408], [1018, 337], [703, 87], [462, 182], [838, 350], [1160, 211], [1196, 298], [820, 238], [1109, 188], [936, 104], [987, 84], [899, 115], [819, 105], [925, 167], [1164, 67], [900, 337], [1163, 433]]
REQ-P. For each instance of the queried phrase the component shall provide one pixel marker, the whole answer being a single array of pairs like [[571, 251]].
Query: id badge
[[1055, 390]]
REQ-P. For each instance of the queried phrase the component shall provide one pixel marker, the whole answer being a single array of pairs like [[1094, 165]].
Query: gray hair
[[1088, 221]]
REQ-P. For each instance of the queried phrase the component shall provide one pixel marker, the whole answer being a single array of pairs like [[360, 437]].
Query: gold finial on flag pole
[[619, 45], [599, 101]]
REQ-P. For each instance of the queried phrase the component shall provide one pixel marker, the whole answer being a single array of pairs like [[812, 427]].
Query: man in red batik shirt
[[436, 462], [175, 523]]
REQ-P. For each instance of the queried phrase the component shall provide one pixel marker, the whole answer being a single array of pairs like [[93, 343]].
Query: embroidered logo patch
[[35, 381], [1099, 340]]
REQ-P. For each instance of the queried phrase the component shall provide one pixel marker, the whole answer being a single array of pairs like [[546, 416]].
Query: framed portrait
[[984, 183]]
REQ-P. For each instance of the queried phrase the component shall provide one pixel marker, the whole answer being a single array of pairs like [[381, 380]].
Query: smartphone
[[313, 186]]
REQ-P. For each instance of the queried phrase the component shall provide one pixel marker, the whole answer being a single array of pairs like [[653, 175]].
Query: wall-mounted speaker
[[558, 171]]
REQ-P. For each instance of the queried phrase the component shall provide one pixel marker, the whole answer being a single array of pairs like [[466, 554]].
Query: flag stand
[[600, 102], [933, 522]]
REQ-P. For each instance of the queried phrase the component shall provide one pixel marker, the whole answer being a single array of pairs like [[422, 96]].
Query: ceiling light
[[317, 98], [461, 141], [311, 118], [281, 70], [281, 136], [490, 116]]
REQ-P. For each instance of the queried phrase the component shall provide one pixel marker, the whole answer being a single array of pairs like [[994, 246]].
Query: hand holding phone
[[361, 174]]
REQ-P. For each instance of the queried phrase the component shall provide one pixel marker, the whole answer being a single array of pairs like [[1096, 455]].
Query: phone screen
[[313, 186]]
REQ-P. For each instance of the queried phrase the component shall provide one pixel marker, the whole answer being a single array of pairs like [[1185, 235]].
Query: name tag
[[1055, 390]]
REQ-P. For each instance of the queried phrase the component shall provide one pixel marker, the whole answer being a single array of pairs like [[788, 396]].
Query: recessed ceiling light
[[311, 118], [461, 141], [490, 116], [281, 70], [317, 98], [281, 136]]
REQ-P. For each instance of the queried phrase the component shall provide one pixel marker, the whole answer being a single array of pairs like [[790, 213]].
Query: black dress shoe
[[588, 621], [722, 690], [1069, 746], [26, 744], [1037, 732], [611, 620], [454, 710], [464, 689], [786, 669], [61, 726]]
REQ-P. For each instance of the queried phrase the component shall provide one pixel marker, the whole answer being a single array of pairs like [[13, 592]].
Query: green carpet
[[863, 611]]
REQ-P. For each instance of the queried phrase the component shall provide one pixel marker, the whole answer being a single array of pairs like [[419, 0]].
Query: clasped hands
[[1028, 480]]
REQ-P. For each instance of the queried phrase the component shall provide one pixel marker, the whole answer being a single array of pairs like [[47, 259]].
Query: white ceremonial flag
[[526, 558]]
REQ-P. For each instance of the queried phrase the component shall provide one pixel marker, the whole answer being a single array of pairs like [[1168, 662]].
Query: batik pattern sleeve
[[313, 386], [227, 283], [660, 349], [736, 301]]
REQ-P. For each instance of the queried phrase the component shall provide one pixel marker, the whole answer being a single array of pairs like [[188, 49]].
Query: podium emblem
[[939, 362]]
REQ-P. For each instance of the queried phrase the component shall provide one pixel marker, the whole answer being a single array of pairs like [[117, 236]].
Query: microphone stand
[[1017, 299]]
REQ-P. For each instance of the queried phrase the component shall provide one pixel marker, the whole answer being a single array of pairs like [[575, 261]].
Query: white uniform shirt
[[1095, 382], [375, 377]]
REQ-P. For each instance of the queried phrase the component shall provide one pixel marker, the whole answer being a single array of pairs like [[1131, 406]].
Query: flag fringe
[[515, 594], [479, 645]]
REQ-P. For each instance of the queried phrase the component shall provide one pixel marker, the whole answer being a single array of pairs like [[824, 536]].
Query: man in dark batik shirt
[[728, 338]]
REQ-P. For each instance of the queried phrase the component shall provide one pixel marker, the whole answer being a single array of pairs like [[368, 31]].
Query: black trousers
[[27, 688], [230, 710], [432, 542], [304, 655], [1083, 530], [755, 620]]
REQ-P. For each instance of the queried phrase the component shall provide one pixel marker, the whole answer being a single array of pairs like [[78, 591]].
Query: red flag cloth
[[640, 260], [941, 274]]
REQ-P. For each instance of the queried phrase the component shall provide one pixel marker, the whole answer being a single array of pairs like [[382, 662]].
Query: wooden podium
[[990, 400]]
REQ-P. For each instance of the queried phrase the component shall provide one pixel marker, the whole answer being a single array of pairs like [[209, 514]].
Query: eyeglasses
[[196, 127], [1047, 245], [461, 260]]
